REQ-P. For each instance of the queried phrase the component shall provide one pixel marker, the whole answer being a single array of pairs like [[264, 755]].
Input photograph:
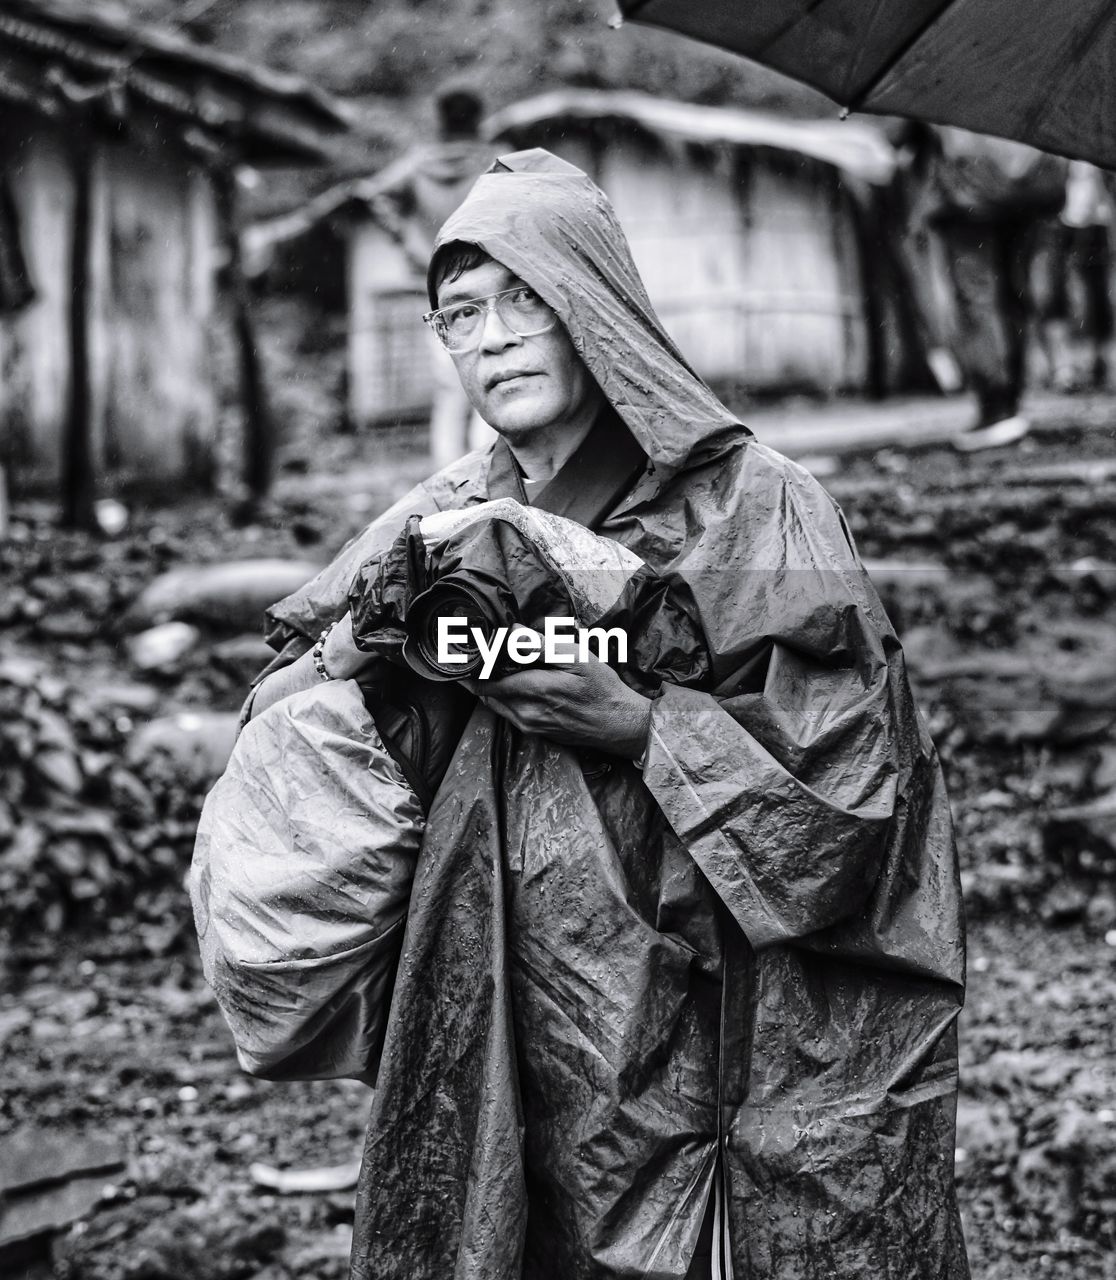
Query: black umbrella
[[1039, 71]]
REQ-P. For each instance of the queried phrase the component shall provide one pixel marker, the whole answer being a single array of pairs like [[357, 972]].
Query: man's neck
[[541, 456]]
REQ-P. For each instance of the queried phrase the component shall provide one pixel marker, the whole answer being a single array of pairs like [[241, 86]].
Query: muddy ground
[[107, 1029]]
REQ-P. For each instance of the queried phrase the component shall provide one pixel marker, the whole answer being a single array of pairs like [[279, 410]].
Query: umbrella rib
[[898, 54], [864, 46]]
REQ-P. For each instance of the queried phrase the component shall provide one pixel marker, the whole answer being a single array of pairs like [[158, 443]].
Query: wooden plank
[[34, 345], [258, 441], [154, 341]]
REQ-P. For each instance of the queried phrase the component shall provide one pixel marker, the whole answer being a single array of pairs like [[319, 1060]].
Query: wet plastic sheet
[[501, 564], [744, 965], [300, 881]]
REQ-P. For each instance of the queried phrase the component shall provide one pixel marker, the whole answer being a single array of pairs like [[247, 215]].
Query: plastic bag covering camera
[[301, 875], [742, 967], [501, 563]]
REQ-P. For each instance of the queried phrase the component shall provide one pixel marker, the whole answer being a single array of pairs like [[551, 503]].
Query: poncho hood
[[548, 222]]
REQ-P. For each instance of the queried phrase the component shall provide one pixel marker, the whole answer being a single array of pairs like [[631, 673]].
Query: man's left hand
[[583, 704]]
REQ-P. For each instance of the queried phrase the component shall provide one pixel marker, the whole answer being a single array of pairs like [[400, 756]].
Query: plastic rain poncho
[[307, 844], [735, 974]]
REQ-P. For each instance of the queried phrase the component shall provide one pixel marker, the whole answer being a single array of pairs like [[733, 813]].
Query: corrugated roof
[[97, 49], [850, 145]]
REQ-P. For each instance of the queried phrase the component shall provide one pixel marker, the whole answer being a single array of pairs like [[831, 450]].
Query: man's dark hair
[[459, 112], [453, 260]]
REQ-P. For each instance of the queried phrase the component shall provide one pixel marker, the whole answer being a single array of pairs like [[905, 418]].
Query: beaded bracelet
[[317, 655]]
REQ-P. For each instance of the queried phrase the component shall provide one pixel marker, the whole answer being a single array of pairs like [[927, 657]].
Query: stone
[[197, 744], [1063, 905], [162, 648], [48, 1180], [1100, 913], [243, 656], [32, 1157], [230, 596]]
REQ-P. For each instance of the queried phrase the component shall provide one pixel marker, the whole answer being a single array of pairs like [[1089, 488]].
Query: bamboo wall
[[751, 261]]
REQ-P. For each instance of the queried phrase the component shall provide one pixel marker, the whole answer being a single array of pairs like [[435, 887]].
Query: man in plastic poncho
[[680, 980]]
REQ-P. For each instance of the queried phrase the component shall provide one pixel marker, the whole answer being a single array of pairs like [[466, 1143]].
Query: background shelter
[[335, 250], [751, 231], [763, 241], [117, 162]]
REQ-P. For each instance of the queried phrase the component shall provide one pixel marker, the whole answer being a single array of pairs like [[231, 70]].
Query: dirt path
[[139, 1051]]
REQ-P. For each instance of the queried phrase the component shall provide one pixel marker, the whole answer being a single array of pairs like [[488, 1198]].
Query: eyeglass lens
[[521, 310]]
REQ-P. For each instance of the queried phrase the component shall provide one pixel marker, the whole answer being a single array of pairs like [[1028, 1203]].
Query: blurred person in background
[[1079, 286], [419, 193], [987, 200]]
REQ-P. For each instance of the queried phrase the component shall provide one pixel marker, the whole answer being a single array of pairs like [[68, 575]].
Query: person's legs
[[1095, 258], [984, 347], [1052, 262], [1016, 245]]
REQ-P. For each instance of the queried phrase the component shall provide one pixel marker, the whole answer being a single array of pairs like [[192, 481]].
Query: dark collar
[[592, 480]]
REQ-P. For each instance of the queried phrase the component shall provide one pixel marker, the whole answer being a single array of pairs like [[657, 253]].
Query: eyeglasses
[[460, 326]]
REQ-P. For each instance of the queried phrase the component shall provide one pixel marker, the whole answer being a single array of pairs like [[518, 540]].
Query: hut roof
[[853, 146], [352, 195], [57, 56]]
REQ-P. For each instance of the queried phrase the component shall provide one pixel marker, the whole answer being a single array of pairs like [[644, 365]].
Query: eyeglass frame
[[490, 306]]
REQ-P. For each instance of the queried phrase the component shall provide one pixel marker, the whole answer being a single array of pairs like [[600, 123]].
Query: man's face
[[519, 386]]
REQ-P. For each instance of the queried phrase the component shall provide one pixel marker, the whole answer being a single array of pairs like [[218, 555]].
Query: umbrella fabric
[[739, 968], [1031, 70]]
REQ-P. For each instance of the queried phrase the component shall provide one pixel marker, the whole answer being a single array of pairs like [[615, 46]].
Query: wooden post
[[5, 509], [78, 482], [258, 441]]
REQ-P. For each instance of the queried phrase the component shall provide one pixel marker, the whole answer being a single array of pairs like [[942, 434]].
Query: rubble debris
[[331, 1178], [92, 810]]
